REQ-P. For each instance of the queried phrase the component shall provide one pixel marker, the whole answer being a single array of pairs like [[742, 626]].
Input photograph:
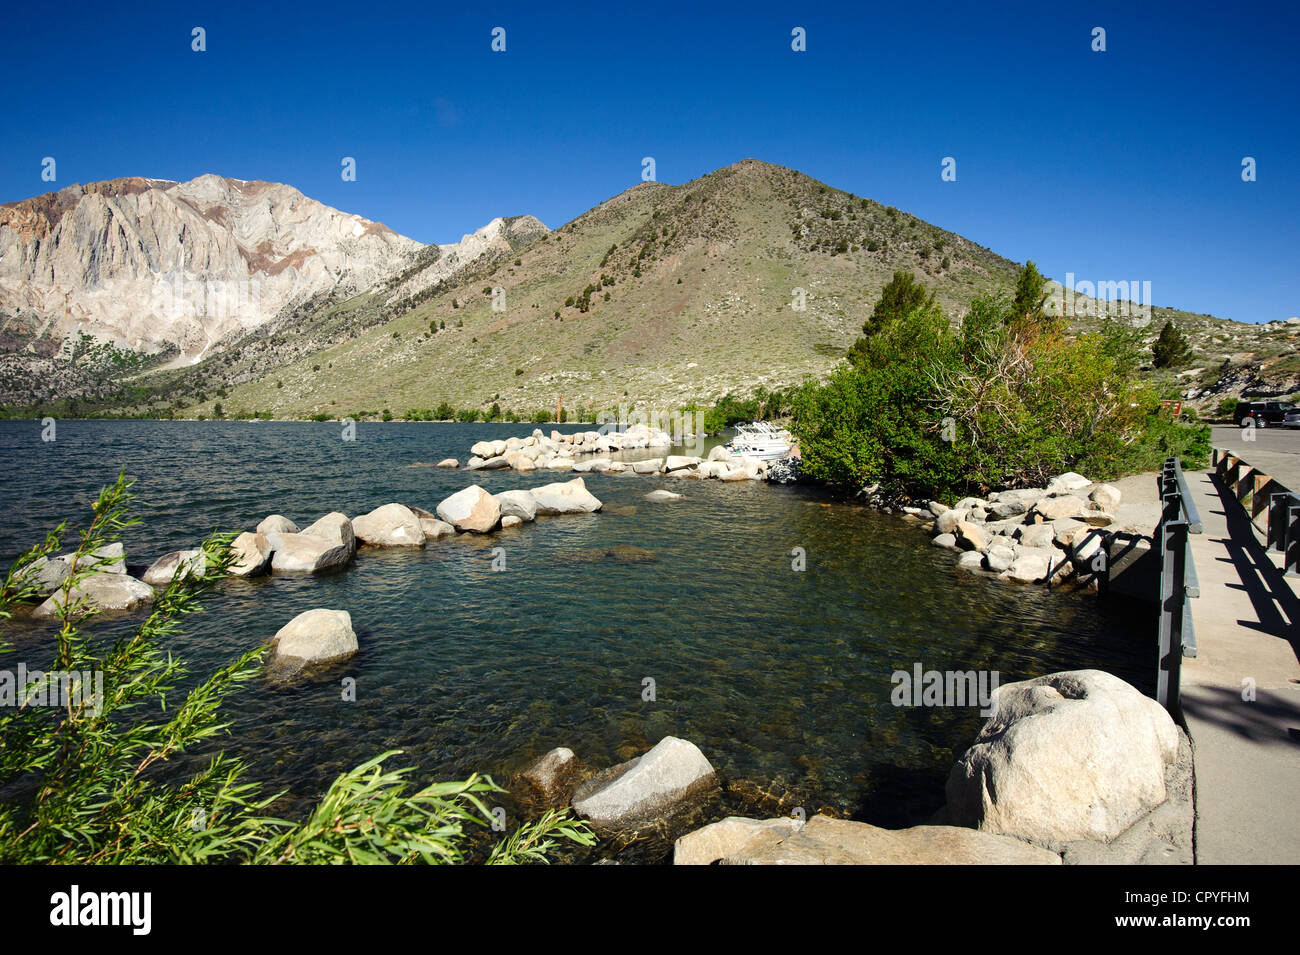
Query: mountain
[[659, 296], [101, 282], [153, 266]]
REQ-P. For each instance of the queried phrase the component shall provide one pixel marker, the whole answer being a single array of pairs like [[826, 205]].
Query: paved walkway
[[1246, 752]]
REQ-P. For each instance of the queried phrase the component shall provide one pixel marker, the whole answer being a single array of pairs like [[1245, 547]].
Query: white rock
[[102, 593], [392, 525], [252, 555], [472, 509], [314, 637], [190, 563], [336, 528], [1074, 755], [520, 504], [277, 524], [638, 792]]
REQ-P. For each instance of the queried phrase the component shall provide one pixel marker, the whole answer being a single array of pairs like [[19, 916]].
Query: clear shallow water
[[782, 678]]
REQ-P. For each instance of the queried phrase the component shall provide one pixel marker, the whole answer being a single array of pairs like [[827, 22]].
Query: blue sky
[[1117, 165]]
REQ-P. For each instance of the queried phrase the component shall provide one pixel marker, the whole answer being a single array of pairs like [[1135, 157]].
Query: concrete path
[[1275, 451], [1241, 694]]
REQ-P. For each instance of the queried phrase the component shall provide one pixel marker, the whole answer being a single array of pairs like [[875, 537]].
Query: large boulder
[[650, 466], [450, 463], [277, 524], [314, 637], [565, 497], [520, 504], [1107, 495], [102, 593], [635, 794], [336, 528], [393, 525], [827, 841], [252, 555], [307, 554], [1068, 756], [1036, 535], [185, 562], [473, 510]]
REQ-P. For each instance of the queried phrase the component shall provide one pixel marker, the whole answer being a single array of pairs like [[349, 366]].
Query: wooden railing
[[1272, 507]]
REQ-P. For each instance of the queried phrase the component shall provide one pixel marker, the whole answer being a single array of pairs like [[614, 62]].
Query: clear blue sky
[[1117, 165]]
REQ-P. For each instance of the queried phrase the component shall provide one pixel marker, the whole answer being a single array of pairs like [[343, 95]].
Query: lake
[[781, 677]]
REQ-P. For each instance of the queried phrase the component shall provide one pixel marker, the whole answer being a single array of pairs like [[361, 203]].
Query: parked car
[[1262, 414]]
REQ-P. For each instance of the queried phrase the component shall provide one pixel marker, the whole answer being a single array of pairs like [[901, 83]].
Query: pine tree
[[1171, 348], [1030, 296]]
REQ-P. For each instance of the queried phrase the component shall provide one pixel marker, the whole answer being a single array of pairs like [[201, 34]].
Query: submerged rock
[[622, 553], [549, 783], [662, 495]]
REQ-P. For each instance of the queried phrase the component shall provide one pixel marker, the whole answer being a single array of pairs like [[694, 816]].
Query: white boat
[[761, 441]]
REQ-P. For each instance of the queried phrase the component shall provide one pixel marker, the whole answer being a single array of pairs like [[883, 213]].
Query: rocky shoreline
[[1073, 767]]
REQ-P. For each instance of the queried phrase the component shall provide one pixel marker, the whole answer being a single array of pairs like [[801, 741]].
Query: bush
[[1008, 400]]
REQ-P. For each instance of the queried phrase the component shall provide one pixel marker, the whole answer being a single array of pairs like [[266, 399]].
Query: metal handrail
[[1178, 581]]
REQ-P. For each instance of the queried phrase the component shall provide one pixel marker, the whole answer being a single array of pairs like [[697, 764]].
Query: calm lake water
[[782, 678]]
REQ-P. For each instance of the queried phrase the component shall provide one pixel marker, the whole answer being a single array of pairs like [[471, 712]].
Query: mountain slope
[[151, 266], [661, 294]]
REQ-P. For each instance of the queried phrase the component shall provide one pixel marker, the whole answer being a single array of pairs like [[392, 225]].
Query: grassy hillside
[[661, 295]]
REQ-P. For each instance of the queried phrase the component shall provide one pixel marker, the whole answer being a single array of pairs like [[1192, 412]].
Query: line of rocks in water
[[278, 547], [1076, 766], [1028, 535], [587, 451]]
